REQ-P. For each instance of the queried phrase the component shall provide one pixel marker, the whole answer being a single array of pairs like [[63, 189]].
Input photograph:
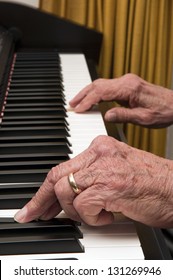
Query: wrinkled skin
[[144, 103], [113, 177]]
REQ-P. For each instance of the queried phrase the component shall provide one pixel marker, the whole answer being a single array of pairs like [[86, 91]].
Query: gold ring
[[73, 184]]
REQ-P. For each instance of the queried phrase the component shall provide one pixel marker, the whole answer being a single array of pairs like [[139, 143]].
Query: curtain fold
[[137, 38]]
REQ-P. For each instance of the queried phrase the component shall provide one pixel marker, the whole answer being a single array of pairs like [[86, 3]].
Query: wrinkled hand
[[113, 177], [146, 104]]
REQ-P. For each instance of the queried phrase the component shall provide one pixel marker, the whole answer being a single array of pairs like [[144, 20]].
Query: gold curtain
[[138, 38]]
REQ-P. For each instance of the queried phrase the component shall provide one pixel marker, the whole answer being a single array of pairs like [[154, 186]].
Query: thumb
[[89, 206], [123, 115]]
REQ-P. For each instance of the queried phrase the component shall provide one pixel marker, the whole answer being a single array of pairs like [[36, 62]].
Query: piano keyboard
[[116, 241]]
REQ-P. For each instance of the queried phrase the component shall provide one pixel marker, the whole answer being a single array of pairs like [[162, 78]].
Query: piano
[[44, 63]]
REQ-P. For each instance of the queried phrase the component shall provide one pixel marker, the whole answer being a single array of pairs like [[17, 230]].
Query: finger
[[124, 115], [66, 196], [90, 207], [53, 211], [90, 99], [78, 98], [39, 204]]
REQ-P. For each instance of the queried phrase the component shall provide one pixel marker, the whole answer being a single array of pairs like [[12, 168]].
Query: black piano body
[[31, 29]]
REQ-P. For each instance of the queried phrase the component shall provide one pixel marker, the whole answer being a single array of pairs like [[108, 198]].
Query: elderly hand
[[146, 104], [113, 177]]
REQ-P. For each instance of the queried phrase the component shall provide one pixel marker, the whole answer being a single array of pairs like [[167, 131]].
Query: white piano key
[[115, 229], [8, 213], [111, 240]]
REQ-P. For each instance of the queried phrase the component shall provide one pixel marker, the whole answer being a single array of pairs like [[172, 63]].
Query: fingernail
[[20, 215], [69, 109], [110, 116]]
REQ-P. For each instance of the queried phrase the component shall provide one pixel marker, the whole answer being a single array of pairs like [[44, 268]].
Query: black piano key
[[27, 58], [36, 90], [35, 81], [35, 98], [17, 166], [39, 245], [27, 163], [32, 148], [35, 112], [15, 201], [35, 106], [35, 53], [34, 139], [34, 131], [37, 59], [36, 94], [21, 138], [19, 176], [58, 157], [35, 102], [51, 56], [64, 227], [29, 156], [38, 55], [40, 70], [14, 123], [33, 64], [35, 75], [30, 118], [34, 85], [14, 190]]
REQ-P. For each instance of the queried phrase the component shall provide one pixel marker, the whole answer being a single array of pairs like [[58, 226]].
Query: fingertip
[[80, 108], [69, 109], [105, 218], [71, 103], [20, 216], [77, 108], [110, 116]]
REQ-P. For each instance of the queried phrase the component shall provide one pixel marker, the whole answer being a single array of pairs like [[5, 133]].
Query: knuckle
[[81, 207], [52, 175], [97, 85], [133, 79], [147, 118], [56, 173], [103, 143]]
